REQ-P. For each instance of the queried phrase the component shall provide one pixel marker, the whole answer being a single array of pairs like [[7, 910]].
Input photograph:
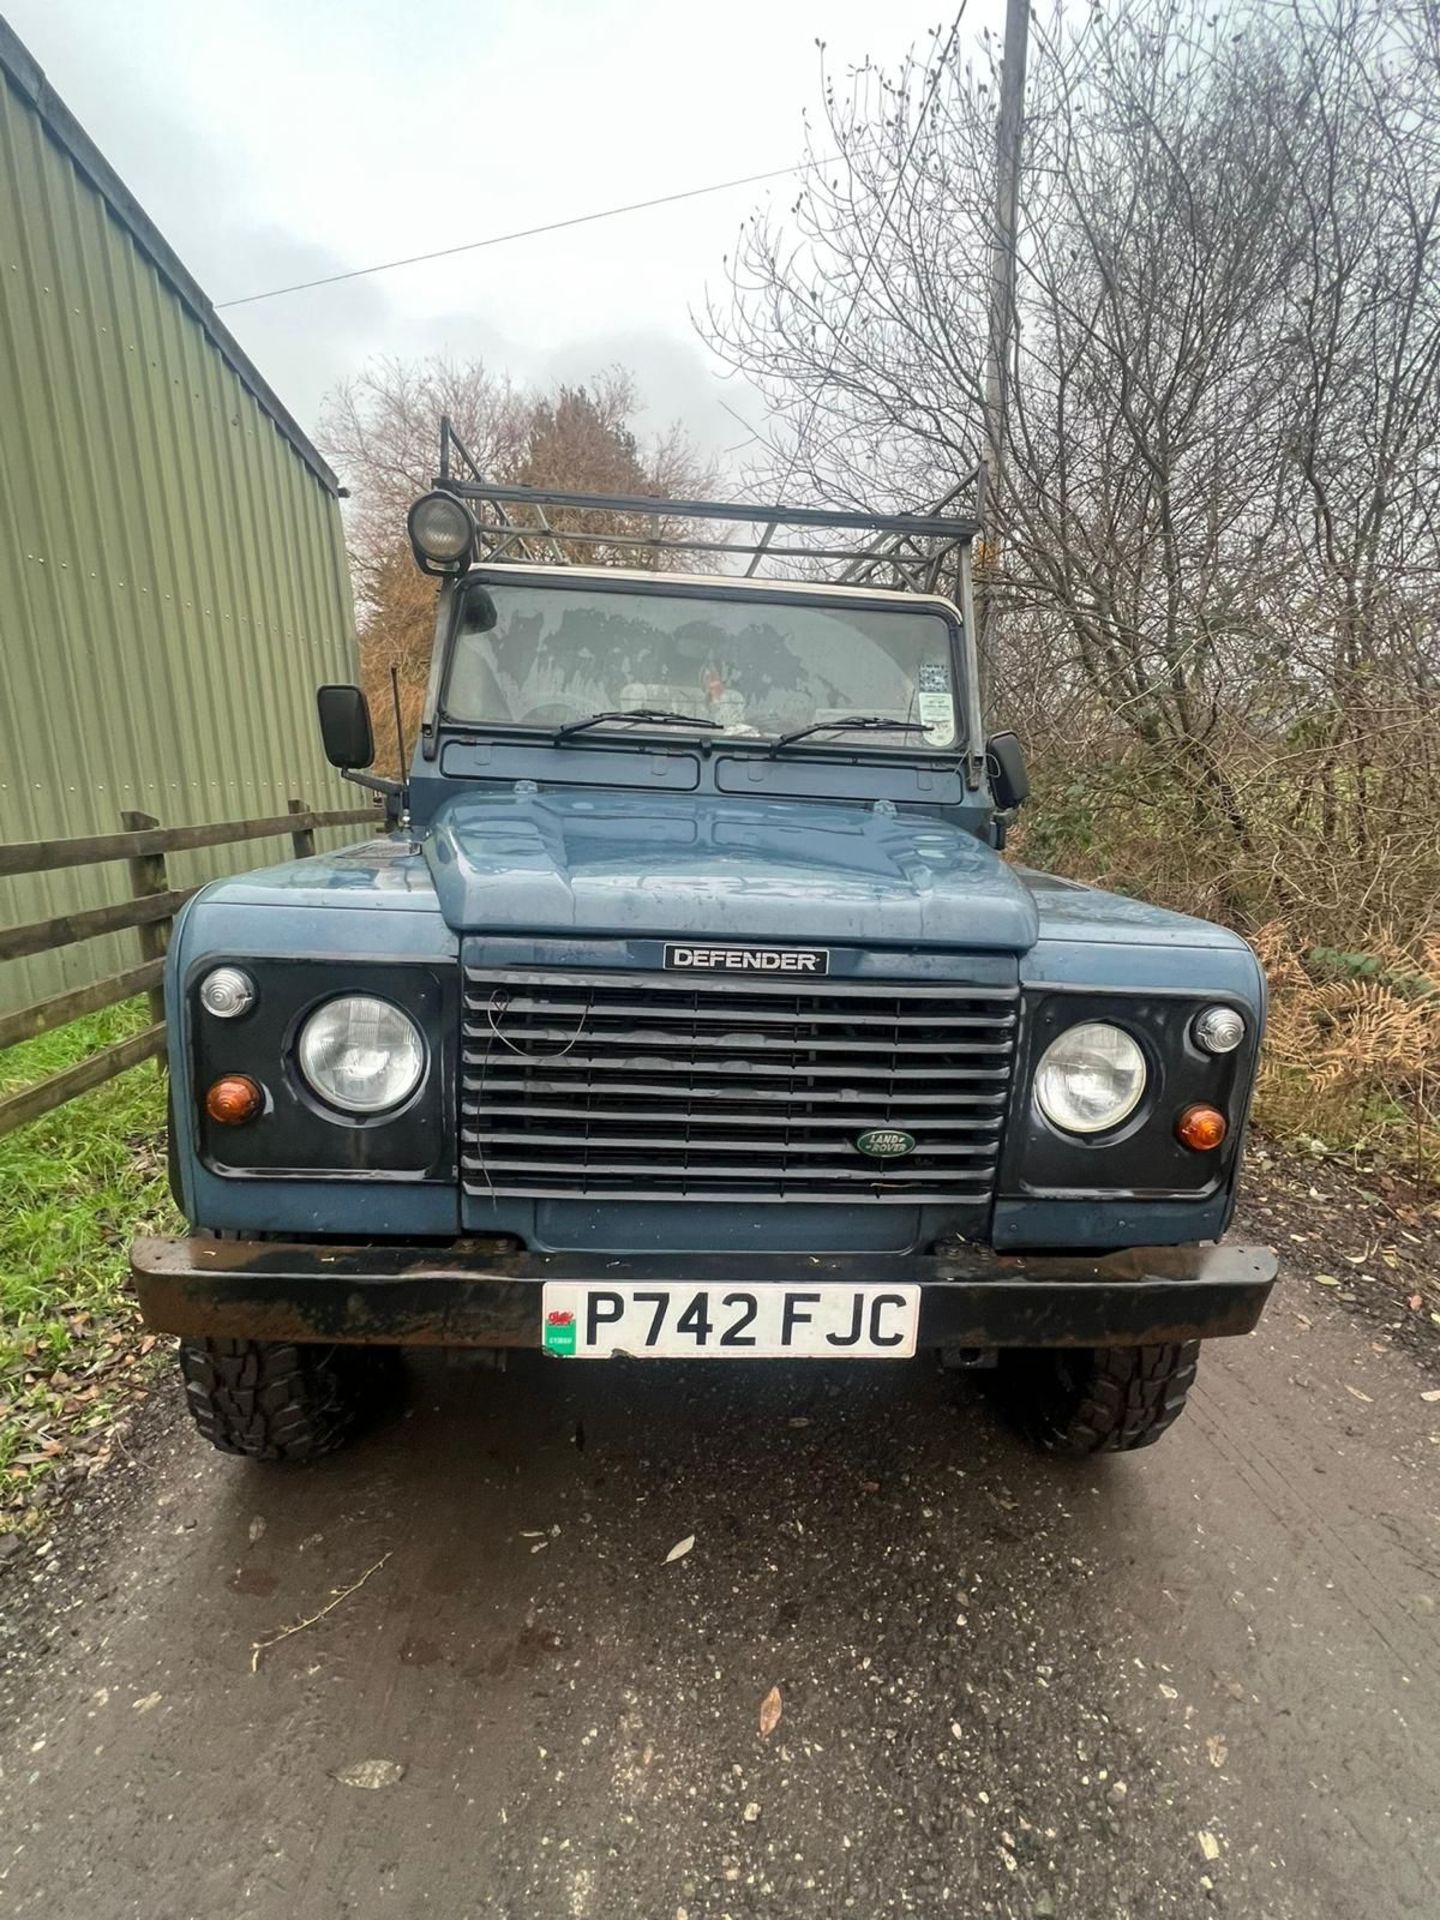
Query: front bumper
[[473, 1295]]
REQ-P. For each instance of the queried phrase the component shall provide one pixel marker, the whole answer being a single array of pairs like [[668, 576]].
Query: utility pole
[[1009, 140]]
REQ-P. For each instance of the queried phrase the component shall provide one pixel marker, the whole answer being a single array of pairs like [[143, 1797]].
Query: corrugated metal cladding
[[173, 583]]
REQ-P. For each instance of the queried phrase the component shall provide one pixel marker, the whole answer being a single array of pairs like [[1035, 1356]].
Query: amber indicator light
[[1202, 1129], [233, 1100]]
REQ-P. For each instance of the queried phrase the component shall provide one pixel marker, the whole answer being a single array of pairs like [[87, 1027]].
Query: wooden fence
[[153, 904]]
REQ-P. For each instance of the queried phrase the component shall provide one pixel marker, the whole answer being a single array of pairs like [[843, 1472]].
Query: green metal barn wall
[[173, 583]]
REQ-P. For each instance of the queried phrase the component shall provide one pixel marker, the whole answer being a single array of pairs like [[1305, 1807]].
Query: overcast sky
[[279, 140]]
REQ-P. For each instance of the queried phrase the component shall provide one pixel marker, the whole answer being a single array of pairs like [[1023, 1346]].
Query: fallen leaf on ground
[[1217, 1750], [1359, 1395], [1209, 1845], [1326, 1280], [771, 1707], [144, 1706], [371, 1773], [1415, 1302], [1432, 1396], [680, 1549]]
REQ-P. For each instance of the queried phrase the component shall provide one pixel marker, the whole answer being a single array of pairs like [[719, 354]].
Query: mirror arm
[[393, 791], [373, 782]]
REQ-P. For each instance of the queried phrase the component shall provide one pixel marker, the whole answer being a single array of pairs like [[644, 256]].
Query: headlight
[[361, 1054], [1090, 1078], [227, 993], [442, 531]]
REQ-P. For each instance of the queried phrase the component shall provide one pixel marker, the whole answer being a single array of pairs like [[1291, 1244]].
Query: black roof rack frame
[[912, 552]]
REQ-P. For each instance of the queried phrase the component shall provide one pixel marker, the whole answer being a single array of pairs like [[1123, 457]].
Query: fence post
[[148, 875], [303, 839]]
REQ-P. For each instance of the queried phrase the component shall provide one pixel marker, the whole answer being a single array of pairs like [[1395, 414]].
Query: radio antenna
[[400, 738]]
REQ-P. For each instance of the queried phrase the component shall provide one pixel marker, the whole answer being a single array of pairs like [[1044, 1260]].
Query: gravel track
[[1205, 1678]]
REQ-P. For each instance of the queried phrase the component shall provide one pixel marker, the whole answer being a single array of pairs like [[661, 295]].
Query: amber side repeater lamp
[[233, 1100], [1202, 1129]]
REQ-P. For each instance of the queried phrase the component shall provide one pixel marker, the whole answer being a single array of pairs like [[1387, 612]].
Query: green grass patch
[[77, 1184]]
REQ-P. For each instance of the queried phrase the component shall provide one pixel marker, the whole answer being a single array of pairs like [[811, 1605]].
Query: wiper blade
[[657, 716], [852, 723]]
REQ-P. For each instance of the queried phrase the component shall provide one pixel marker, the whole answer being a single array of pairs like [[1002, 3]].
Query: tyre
[[1079, 1401], [271, 1400]]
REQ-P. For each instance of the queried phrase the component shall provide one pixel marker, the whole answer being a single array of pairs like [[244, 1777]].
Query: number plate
[[729, 1323]]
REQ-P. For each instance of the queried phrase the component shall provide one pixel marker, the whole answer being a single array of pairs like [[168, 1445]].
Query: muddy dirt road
[[1205, 1678]]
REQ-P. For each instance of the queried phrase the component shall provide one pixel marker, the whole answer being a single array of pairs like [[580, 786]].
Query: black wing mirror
[[345, 728], [1005, 763]]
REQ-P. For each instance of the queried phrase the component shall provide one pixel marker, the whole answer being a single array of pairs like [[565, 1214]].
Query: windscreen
[[548, 656]]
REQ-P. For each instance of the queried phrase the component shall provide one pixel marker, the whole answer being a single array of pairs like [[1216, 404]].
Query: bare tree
[[1215, 532], [381, 432]]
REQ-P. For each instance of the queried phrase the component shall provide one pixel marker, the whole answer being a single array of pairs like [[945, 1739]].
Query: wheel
[[1083, 1400], [271, 1400]]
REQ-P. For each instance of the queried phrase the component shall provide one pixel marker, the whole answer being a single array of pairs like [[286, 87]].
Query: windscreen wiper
[[657, 716], [852, 723]]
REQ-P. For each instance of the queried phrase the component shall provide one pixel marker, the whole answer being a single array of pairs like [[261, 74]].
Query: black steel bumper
[[470, 1295]]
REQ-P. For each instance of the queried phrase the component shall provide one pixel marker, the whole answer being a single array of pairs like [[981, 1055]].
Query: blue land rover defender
[[687, 1007]]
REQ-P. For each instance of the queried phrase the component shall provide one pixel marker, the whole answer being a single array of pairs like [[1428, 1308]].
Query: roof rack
[[914, 552]]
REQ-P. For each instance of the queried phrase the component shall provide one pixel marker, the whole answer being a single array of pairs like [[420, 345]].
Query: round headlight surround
[[1219, 1029], [451, 550], [227, 992], [346, 1036], [1096, 1048]]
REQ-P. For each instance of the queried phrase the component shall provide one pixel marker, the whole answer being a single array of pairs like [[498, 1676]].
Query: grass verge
[[74, 1187]]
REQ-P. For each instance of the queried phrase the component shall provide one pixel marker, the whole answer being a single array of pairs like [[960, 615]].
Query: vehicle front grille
[[648, 1087]]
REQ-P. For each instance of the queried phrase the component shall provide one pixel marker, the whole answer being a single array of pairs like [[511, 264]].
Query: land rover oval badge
[[885, 1143]]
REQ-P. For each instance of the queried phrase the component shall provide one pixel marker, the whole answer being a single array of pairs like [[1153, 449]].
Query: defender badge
[[885, 1143], [749, 959]]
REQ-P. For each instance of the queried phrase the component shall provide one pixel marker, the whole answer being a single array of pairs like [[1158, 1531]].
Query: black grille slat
[[721, 1069], [857, 1175], [840, 1100], [500, 1110], [638, 1086], [522, 1006], [604, 1141], [735, 987], [739, 1040]]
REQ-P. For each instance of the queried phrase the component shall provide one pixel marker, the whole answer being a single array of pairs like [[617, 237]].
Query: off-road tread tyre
[[272, 1400], [1087, 1400]]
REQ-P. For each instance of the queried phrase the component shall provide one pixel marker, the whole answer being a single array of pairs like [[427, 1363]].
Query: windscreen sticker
[[937, 716], [934, 676]]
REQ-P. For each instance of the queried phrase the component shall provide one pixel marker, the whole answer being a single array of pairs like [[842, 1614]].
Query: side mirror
[[1005, 763], [345, 728]]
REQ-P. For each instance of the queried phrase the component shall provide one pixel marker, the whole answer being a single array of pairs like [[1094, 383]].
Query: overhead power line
[[529, 233]]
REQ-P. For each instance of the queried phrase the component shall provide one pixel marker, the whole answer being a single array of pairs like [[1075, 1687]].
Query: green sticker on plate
[[560, 1332]]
